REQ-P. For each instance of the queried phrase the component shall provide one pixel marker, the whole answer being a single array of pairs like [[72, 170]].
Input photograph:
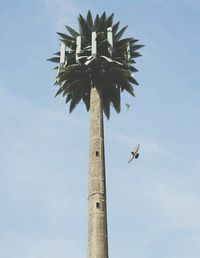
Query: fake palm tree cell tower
[[95, 66]]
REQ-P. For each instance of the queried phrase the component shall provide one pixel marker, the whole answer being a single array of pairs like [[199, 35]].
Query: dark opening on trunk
[[97, 153], [97, 205]]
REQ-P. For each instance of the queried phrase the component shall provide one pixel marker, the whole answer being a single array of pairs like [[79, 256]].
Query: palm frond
[[109, 71], [85, 29], [106, 105], [135, 54], [136, 47], [76, 97], [72, 31], [120, 33], [109, 21], [90, 20], [115, 27], [54, 59], [132, 80], [60, 90], [96, 22], [64, 36], [102, 25]]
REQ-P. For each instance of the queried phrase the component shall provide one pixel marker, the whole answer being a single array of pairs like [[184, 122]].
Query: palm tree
[[95, 69]]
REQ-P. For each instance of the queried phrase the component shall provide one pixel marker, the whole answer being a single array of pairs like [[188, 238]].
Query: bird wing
[[134, 153], [130, 158], [136, 149]]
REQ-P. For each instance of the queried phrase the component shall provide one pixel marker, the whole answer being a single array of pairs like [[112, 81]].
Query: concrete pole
[[97, 214]]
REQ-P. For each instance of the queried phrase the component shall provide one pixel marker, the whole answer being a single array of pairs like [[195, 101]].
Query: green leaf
[[120, 33], [103, 17], [57, 54], [106, 106], [132, 80], [54, 59], [72, 31], [123, 43], [110, 20], [102, 26], [59, 91], [69, 72], [136, 47], [55, 68], [132, 61], [115, 97], [120, 72], [124, 85], [76, 97], [85, 30], [133, 69], [86, 99], [115, 27], [90, 20], [135, 54], [64, 36], [104, 43], [96, 22], [68, 43], [69, 97], [75, 85]]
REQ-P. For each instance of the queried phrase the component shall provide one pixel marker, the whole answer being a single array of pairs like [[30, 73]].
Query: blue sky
[[153, 203]]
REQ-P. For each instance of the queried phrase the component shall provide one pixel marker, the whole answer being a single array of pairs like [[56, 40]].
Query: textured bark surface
[[97, 214]]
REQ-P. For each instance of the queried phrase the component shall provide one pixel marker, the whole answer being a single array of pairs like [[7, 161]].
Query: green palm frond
[[90, 20], [136, 47], [96, 22], [66, 37], [110, 71], [102, 24], [109, 21], [76, 97], [115, 27], [120, 33], [72, 32], [54, 59], [85, 30]]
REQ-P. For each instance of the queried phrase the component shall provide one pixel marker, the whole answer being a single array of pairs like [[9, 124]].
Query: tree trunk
[[97, 214]]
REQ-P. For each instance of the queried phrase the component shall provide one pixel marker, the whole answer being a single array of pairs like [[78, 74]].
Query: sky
[[153, 202]]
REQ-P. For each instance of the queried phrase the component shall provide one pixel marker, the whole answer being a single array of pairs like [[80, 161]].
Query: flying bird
[[134, 153]]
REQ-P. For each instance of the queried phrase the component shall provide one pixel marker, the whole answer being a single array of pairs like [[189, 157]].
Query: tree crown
[[109, 70]]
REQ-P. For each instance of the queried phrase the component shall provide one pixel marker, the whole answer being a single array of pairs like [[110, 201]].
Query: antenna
[[94, 44], [128, 52], [78, 47], [62, 53], [110, 39], [62, 58]]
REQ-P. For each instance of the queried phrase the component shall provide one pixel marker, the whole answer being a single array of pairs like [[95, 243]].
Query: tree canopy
[[110, 71]]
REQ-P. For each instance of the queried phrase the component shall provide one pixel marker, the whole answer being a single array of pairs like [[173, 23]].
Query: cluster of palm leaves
[[109, 71]]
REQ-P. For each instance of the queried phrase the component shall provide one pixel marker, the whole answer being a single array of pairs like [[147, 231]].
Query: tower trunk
[[97, 214]]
